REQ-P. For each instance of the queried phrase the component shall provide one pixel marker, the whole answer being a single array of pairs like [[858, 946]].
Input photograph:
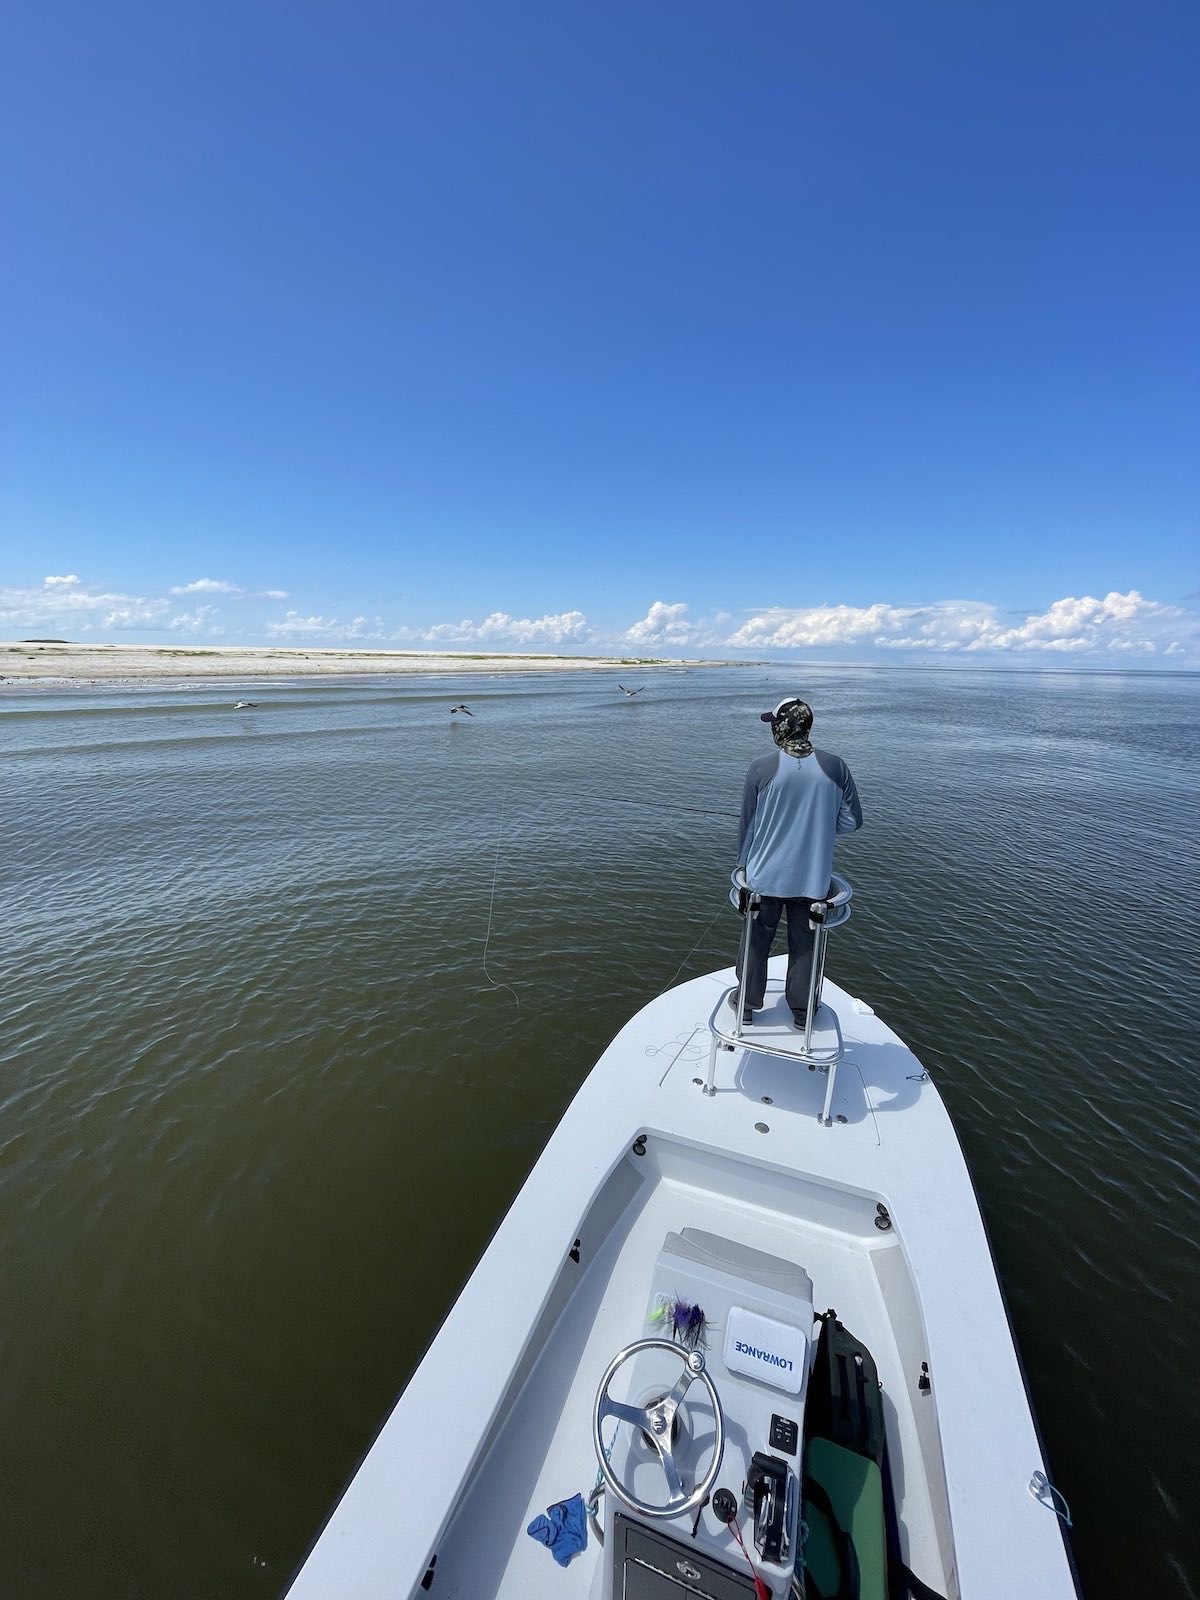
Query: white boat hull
[[878, 1209]]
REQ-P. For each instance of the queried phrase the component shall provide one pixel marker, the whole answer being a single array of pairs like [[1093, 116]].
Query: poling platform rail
[[831, 912]]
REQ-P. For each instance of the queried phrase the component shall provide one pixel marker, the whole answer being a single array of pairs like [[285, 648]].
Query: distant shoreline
[[29, 662], [45, 663]]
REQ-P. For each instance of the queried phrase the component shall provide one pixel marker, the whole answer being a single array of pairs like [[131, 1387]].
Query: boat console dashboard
[[698, 1427]]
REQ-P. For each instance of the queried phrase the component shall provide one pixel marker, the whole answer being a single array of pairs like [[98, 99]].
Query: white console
[[754, 1331]]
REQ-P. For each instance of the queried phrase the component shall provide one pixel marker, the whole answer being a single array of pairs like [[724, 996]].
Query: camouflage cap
[[792, 710], [791, 721]]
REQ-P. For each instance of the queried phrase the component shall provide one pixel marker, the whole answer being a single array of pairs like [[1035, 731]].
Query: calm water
[[261, 1108]]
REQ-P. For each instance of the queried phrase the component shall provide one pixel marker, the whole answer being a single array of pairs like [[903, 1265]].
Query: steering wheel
[[656, 1421]]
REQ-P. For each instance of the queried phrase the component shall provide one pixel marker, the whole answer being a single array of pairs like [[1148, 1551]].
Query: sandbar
[[46, 662]]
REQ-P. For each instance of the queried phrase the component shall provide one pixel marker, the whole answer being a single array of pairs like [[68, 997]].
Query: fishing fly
[[684, 1320]]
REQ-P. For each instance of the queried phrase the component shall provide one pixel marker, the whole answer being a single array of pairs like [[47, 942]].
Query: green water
[[262, 1107]]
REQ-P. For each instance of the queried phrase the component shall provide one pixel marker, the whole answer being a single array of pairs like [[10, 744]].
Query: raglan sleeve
[[850, 813], [749, 806]]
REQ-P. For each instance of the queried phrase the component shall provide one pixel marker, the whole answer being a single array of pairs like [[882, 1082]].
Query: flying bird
[[246, 705], [466, 711], [629, 692]]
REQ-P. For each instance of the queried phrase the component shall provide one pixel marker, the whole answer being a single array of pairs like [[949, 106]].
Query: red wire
[[760, 1588]]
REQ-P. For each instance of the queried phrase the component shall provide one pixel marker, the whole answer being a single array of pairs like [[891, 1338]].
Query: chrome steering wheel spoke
[[635, 1415], [672, 1475], [682, 1385], [657, 1421]]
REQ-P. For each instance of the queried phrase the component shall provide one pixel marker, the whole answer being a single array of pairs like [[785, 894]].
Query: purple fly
[[687, 1323]]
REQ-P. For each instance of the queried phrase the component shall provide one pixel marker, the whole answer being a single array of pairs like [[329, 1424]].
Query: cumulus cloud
[[65, 601], [816, 626], [139, 615], [668, 625], [207, 586], [1124, 624], [564, 627], [662, 624], [274, 594], [197, 621], [294, 626], [1118, 622]]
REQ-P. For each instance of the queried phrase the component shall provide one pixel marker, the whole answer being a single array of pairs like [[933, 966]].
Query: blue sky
[[791, 329]]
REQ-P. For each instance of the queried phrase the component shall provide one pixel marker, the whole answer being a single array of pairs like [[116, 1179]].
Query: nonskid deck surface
[[842, 1023], [785, 1089], [774, 1025], [544, 1453]]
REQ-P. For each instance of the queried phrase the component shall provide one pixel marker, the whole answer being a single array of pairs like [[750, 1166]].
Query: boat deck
[[544, 1453]]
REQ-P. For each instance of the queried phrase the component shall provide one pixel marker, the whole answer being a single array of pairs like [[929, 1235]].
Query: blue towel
[[563, 1530]]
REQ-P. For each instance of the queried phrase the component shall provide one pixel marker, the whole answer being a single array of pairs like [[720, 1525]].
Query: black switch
[[784, 1435], [724, 1505]]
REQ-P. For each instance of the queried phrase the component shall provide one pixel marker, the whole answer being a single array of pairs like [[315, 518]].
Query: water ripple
[[261, 1109]]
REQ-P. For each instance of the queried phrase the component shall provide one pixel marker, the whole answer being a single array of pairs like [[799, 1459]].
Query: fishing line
[[622, 800], [696, 946], [658, 805], [703, 811], [491, 904]]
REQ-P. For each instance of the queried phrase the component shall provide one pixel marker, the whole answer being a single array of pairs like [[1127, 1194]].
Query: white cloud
[[816, 626], [136, 616], [294, 626], [564, 627], [63, 601], [1118, 627], [1119, 622], [197, 621], [668, 626], [1124, 624], [662, 624], [207, 586]]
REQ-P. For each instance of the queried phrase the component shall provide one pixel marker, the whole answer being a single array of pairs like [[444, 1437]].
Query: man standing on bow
[[795, 801]]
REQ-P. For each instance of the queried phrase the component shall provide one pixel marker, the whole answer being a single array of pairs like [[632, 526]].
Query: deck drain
[[767, 1101], [761, 1127]]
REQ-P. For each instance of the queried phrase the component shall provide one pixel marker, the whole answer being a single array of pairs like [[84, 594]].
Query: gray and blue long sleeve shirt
[[792, 809]]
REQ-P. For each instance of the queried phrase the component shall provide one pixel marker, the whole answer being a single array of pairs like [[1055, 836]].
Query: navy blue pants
[[800, 940]]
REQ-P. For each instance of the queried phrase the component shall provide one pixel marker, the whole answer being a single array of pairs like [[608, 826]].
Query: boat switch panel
[[785, 1434]]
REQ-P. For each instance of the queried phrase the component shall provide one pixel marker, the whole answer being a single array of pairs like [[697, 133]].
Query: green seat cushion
[[854, 1485]]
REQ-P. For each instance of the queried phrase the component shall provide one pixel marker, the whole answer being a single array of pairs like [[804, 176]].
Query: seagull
[[246, 705], [629, 693], [463, 709]]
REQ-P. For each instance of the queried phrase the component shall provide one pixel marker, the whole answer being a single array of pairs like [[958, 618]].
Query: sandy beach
[[25, 662]]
